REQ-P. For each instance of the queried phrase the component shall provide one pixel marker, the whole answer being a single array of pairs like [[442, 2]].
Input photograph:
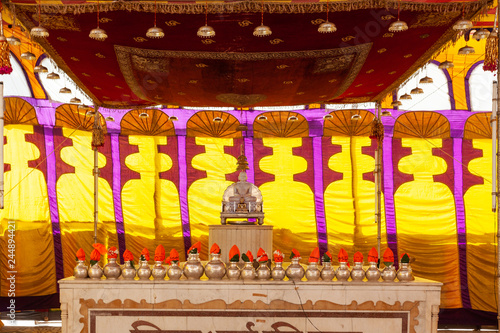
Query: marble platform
[[246, 237], [248, 306]]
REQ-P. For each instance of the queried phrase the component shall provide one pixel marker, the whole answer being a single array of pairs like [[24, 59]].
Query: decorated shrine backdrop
[[161, 182]]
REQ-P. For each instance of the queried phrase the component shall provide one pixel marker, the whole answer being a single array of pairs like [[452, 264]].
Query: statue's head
[[243, 176]]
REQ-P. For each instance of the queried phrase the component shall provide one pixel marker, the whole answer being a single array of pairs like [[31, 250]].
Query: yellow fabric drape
[[350, 202], [289, 205], [26, 203], [481, 230], [151, 208], [426, 220]]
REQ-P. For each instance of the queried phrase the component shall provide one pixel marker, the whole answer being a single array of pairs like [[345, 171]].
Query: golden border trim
[[254, 6], [218, 304]]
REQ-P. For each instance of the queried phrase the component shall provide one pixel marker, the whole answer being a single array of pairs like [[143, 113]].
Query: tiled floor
[[30, 329]]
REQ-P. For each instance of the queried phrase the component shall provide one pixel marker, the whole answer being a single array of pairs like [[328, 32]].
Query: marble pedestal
[[246, 237], [248, 306]]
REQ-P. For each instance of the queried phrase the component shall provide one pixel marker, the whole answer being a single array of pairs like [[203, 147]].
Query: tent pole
[[2, 109], [378, 192], [493, 121], [498, 183], [96, 177]]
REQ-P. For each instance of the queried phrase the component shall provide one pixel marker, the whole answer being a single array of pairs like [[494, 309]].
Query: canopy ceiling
[[361, 62]]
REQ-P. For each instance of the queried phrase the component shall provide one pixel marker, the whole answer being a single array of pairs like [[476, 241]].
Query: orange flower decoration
[[247, 257], [343, 257], [128, 256], [145, 254], [174, 256], [388, 257], [278, 256], [95, 255], [294, 254], [314, 256], [373, 255], [215, 249], [112, 252], [262, 255], [234, 254], [99, 247], [160, 253], [195, 248], [80, 254], [358, 257]]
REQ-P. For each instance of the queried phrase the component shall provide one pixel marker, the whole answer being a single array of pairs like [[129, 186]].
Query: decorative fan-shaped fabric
[[342, 125], [69, 116], [478, 126], [422, 124], [278, 125], [18, 111], [157, 124], [202, 124]]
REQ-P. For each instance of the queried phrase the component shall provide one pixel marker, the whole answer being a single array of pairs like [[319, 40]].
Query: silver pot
[[405, 273], [248, 272], [144, 271], [327, 273], [174, 272], [233, 271], [357, 272], [372, 273], [389, 274], [95, 272], [312, 272], [128, 272], [278, 273], [215, 268], [112, 270], [193, 269], [343, 272], [159, 271], [81, 270], [295, 271], [263, 272]]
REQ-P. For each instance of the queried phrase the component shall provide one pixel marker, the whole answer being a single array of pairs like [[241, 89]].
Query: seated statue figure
[[242, 190], [242, 200]]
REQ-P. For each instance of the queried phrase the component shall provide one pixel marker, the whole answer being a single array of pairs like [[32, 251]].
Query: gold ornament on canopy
[[405, 97], [426, 80], [398, 25], [40, 69], [481, 34], [28, 56], [262, 30], [356, 117], [446, 64], [155, 32], [417, 91], [39, 31], [394, 104], [327, 27], [206, 31], [98, 33], [53, 76], [65, 90], [463, 23], [466, 50], [75, 100]]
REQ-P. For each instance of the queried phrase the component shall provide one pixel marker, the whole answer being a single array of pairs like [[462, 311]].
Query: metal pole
[[96, 177], [498, 182], [494, 147], [2, 109], [378, 192]]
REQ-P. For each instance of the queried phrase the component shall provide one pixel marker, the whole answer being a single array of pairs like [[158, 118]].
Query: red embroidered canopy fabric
[[362, 61]]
